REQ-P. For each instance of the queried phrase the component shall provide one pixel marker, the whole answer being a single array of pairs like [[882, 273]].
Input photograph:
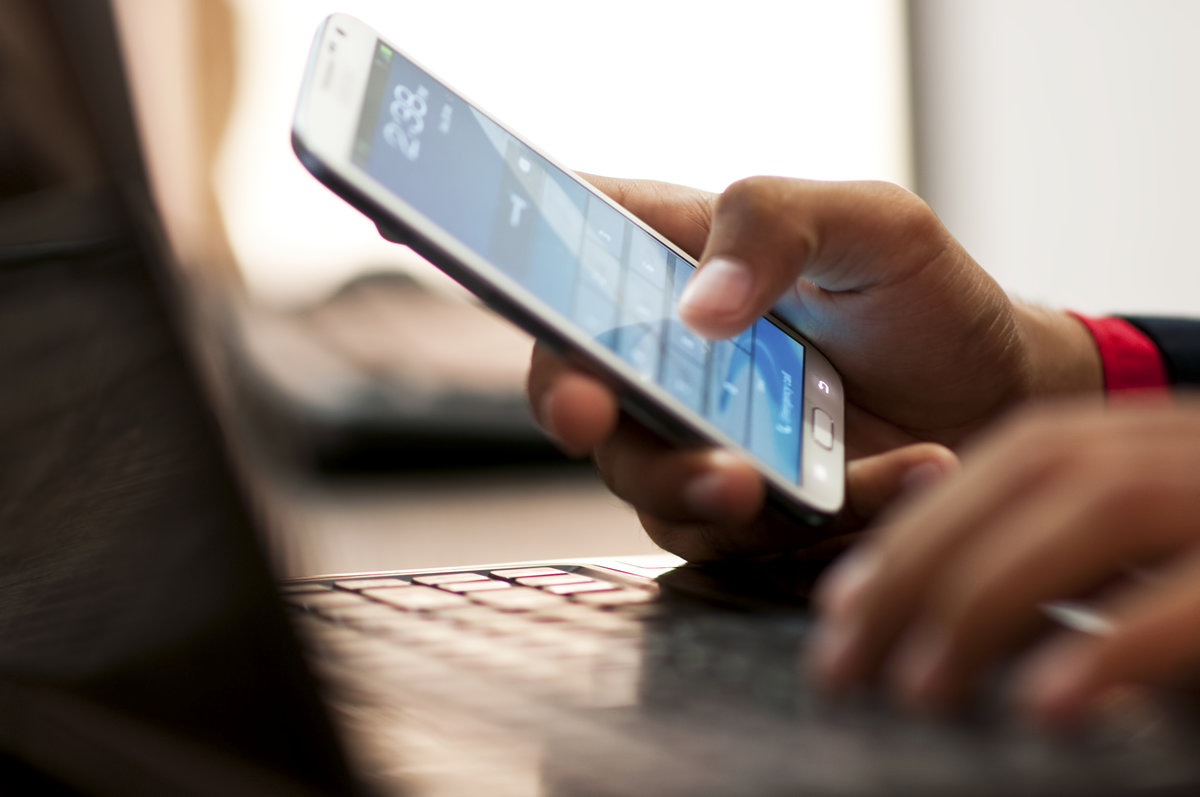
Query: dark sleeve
[[1178, 339]]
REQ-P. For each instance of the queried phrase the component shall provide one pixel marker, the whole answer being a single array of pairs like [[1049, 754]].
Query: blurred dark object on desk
[[386, 374]]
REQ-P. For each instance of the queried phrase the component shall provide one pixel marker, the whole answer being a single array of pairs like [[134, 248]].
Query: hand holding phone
[[555, 256], [932, 351]]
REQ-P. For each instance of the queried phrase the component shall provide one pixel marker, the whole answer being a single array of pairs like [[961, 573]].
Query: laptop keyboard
[[568, 632], [408, 646]]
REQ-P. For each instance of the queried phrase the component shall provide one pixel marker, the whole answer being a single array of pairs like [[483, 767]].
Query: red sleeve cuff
[[1131, 361]]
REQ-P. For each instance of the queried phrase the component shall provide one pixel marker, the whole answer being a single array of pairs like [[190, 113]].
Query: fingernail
[[831, 655], [545, 418], [1052, 686], [840, 587], [722, 286], [921, 477], [919, 677]]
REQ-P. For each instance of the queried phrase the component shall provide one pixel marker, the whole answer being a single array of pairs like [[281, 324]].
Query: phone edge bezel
[[520, 306]]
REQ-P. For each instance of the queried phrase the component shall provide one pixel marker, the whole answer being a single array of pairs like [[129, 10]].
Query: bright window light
[[697, 93]]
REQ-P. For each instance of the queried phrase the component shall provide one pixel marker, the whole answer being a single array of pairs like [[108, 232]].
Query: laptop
[[145, 646]]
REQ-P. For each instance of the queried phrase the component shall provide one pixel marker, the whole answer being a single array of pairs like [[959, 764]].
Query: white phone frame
[[323, 136]]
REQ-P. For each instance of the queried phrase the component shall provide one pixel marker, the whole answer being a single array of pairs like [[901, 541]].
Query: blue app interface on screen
[[577, 254]]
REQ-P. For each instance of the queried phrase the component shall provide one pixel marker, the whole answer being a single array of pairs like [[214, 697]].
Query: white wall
[[1060, 141]]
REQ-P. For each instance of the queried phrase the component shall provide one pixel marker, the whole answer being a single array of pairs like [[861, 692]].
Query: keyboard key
[[644, 302], [369, 615], [595, 311], [478, 618], [648, 259], [477, 586], [605, 227], [729, 383], [528, 572], [416, 599], [449, 578], [619, 597], [610, 623], [371, 583], [684, 379], [566, 612], [575, 589], [687, 344], [640, 345], [517, 599], [547, 581]]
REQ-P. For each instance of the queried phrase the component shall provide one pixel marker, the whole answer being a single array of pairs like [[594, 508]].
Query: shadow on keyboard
[[569, 667]]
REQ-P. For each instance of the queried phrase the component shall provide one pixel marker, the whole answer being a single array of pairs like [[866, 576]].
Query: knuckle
[[957, 603], [897, 194], [906, 209], [752, 197]]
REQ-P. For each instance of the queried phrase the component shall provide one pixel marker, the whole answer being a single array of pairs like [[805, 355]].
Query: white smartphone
[[552, 254]]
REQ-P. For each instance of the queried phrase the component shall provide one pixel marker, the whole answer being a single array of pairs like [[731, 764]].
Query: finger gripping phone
[[552, 254]]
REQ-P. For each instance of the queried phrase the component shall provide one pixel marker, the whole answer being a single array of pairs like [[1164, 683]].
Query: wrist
[[1061, 355]]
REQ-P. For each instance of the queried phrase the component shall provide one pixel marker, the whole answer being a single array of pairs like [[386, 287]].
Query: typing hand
[[1063, 502]]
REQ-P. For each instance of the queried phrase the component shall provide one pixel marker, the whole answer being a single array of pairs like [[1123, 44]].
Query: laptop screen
[[139, 629]]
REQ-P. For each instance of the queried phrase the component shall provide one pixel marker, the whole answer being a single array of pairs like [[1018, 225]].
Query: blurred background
[[1054, 138], [700, 93]]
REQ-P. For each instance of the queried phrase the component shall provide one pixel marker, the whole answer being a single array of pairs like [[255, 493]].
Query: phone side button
[[822, 428]]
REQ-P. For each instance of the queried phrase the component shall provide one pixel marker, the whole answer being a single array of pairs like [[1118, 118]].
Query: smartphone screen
[[577, 254]]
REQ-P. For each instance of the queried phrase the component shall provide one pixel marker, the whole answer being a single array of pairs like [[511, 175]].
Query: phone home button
[[822, 428]]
